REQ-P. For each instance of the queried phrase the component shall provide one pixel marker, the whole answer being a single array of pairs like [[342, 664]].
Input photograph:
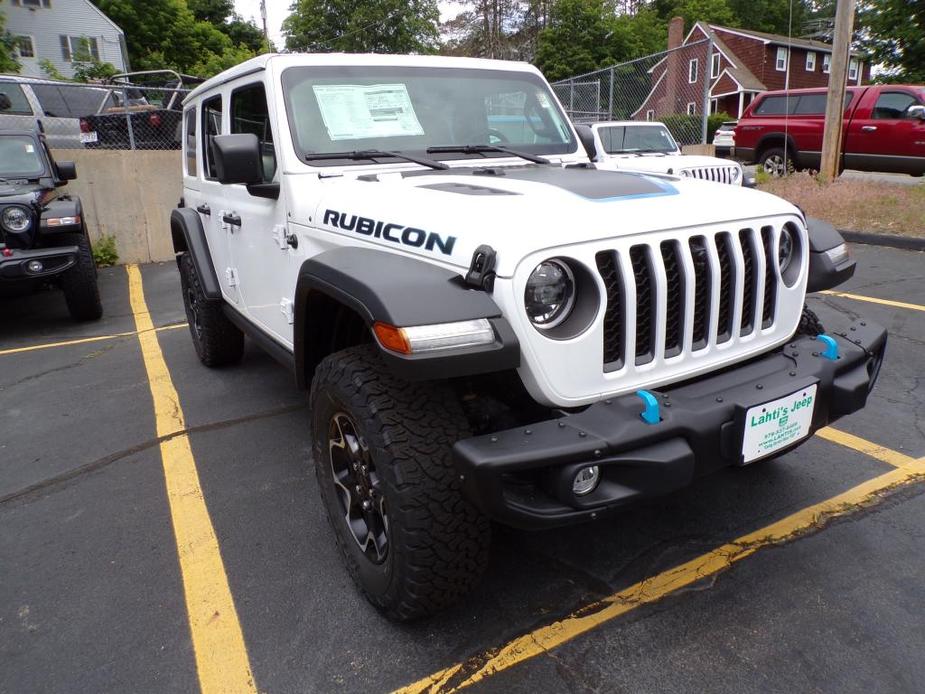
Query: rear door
[[61, 129], [16, 111], [885, 135]]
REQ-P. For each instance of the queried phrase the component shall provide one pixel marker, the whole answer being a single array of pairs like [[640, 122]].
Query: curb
[[906, 243]]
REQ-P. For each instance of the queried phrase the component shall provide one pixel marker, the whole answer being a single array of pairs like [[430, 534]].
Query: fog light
[[586, 480], [35, 266]]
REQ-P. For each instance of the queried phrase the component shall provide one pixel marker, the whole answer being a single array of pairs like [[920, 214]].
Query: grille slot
[[674, 317], [749, 280], [645, 303], [614, 315], [700, 257], [770, 278], [726, 286]]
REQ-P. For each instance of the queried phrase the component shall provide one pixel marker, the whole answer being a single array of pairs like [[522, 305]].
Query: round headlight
[[785, 249], [550, 294], [15, 219]]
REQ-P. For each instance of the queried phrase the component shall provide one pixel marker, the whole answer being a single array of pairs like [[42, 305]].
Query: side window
[[189, 142], [50, 98], [13, 101], [894, 105], [810, 104], [774, 106], [211, 126], [249, 114]]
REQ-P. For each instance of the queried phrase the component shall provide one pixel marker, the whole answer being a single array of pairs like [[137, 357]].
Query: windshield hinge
[[482, 268]]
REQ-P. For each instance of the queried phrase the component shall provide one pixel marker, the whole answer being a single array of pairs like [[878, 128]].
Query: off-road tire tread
[[221, 342], [81, 291], [439, 540], [810, 323]]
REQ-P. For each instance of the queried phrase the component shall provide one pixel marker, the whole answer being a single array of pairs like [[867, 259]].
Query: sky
[[278, 10]]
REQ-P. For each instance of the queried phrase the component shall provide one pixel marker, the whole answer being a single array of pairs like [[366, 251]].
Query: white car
[[724, 140], [649, 146], [491, 327]]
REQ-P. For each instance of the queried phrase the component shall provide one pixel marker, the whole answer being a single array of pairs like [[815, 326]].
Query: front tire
[[217, 340], [81, 291], [381, 447]]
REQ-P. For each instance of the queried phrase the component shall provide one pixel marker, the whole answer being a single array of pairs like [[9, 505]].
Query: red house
[[742, 64]]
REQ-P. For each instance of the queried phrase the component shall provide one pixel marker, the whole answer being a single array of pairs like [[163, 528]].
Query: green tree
[[576, 39], [8, 61], [894, 36], [359, 26], [166, 34], [215, 12], [774, 16]]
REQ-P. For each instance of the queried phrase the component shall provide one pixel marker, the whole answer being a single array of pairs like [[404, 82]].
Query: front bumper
[[54, 261], [522, 477]]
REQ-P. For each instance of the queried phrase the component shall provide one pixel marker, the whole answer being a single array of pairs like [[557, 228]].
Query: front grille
[[678, 284], [717, 174]]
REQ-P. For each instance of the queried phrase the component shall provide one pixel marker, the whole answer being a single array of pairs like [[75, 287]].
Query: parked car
[[43, 235], [884, 129], [724, 138], [57, 105], [145, 117], [649, 146], [491, 327]]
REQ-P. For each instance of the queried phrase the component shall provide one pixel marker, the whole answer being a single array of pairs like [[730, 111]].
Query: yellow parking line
[[656, 587], [864, 446], [221, 656], [875, 300], [84, 340]]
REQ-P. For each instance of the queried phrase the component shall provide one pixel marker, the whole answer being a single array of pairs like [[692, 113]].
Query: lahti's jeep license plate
[[778, 424]]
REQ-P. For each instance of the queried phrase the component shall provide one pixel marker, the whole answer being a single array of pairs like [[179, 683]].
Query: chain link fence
[[671, 87], [94, 116]]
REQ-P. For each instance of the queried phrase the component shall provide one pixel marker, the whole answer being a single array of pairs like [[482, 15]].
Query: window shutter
[[65, 48], [94, 49]]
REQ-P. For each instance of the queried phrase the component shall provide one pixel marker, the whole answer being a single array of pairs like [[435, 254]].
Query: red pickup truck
[[884, 129]]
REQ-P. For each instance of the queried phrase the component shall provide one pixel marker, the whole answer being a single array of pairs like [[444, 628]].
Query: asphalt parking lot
[[162, 531]]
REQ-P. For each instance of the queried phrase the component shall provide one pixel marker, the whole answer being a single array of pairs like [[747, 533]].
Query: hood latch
[[481, 272]]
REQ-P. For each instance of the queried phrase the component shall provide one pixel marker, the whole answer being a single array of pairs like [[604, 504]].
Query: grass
[[854, 205], [104, 251]]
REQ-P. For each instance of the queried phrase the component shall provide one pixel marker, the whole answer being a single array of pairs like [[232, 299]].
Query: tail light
[[154, 120], [84, 125]]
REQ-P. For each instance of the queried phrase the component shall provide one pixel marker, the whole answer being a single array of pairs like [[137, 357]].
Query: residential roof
[[778, 39]]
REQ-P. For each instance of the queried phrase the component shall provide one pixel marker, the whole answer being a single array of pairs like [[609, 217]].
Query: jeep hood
[[445, 215]]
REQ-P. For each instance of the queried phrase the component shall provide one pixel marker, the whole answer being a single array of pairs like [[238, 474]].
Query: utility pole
[[835, 105], [263, 17]]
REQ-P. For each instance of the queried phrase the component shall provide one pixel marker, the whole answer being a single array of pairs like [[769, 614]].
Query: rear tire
[[776, 162], [81, 291], [381, 448], [217, 340]]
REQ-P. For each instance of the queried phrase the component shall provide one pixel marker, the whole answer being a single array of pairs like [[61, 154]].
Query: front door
[[259, 246]]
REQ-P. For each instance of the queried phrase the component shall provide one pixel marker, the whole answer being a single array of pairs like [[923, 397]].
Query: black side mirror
[[586, 137], [67, 170], [5, 103], [237, 158]]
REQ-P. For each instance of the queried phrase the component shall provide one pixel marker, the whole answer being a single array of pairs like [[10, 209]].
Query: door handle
[[204, 209], [231, 220], [868, 128]]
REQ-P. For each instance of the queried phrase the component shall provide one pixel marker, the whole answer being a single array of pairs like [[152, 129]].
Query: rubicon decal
[[396, 233]]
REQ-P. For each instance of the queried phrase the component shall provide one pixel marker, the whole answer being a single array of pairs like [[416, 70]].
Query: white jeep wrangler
[[649, 146], [492, 328]]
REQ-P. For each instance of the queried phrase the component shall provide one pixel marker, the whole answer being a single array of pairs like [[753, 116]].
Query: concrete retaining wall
[[704, 150], [129, 195]]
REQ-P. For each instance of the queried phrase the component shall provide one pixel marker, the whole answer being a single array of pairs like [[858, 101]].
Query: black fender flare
[[189, 237], [399, 290], [824, 273], [62, 207]]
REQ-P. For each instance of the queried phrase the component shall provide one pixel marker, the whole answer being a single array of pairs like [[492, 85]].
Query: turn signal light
[[433, 338], [392, 338]]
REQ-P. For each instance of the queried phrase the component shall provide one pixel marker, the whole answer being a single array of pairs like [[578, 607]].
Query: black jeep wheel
[[381, 449], [81, 291], [217, 340]]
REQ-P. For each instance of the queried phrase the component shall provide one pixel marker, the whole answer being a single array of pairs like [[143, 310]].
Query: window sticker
[[30, 149], [356, 112]]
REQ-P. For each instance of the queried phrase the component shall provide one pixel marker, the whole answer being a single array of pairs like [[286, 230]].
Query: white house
[[63, 31]]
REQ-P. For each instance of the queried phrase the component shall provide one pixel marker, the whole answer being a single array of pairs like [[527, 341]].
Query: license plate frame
[[777, 424]]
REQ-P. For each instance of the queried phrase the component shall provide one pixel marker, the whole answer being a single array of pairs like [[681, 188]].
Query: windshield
[[621, 139], [19, 157], [345, 109]]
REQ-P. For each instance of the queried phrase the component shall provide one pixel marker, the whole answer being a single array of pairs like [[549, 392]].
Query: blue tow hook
[[831, 347], [650, 414]]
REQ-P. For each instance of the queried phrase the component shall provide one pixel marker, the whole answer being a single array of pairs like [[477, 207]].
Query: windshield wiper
[[482, 149], [376, 154]]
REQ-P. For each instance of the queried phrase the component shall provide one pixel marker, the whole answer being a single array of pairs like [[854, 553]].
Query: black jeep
[[43, 237]]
